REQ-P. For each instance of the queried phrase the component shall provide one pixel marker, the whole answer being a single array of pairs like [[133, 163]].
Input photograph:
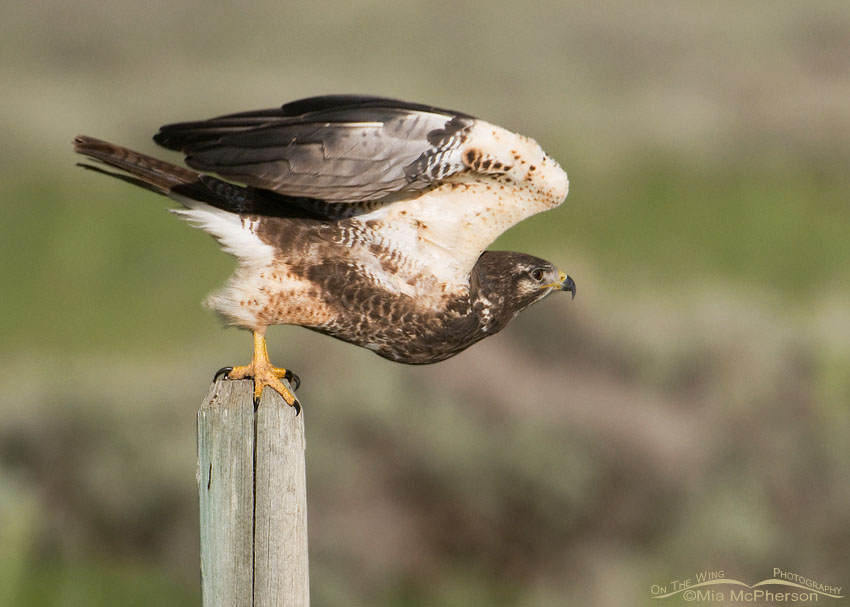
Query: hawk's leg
[[265, 374]]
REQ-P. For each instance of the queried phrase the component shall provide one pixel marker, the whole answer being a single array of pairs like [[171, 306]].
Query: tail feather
[[141, 170], [186, 186], [215, 206]]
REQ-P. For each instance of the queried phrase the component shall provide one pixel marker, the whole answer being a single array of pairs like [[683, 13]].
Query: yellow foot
[[265, 374]]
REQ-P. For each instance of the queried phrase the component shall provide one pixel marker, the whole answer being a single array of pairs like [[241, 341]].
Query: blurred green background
[[687, 412]]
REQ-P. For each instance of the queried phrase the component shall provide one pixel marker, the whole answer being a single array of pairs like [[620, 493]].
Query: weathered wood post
[[252, 488]]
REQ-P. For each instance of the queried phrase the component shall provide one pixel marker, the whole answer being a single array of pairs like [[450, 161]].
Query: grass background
[[687, 412]]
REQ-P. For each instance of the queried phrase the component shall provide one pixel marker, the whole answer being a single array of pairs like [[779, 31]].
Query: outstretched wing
[[455, 183], [337, 148]]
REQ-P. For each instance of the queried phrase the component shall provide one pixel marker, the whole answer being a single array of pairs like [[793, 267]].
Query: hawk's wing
[[455, 183], [337, 148]]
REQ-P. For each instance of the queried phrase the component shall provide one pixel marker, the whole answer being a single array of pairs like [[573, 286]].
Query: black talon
[[297, 406], [293, 379], [223, 371]]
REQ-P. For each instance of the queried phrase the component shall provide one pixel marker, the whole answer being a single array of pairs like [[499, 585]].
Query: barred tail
[[186, 186], [215, 206], [141, 170]]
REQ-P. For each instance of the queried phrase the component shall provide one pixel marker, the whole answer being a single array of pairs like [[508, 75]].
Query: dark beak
[[565, 284], [568, 284]]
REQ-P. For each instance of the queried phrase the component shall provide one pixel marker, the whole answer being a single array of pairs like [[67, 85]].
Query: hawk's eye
[[537, 274]]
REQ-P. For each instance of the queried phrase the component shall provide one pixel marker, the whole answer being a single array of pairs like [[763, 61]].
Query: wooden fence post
[[253, 497]]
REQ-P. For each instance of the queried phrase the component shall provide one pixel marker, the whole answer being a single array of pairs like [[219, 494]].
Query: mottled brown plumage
[[362, 218]]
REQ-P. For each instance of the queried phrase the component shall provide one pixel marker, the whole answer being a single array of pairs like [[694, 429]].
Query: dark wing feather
[[336, 148]]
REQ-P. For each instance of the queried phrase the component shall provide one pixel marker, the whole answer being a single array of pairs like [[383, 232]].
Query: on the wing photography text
[[714, 586]]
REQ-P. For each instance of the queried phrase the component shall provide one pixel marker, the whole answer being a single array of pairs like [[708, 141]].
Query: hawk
[[363, 218]]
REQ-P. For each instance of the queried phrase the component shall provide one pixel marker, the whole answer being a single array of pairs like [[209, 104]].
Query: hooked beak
[[565, 284]]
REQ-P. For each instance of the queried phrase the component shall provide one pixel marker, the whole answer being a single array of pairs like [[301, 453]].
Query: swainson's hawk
[[363, 218]]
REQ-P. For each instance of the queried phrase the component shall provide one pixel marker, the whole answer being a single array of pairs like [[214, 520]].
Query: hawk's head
[[506, 283]]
